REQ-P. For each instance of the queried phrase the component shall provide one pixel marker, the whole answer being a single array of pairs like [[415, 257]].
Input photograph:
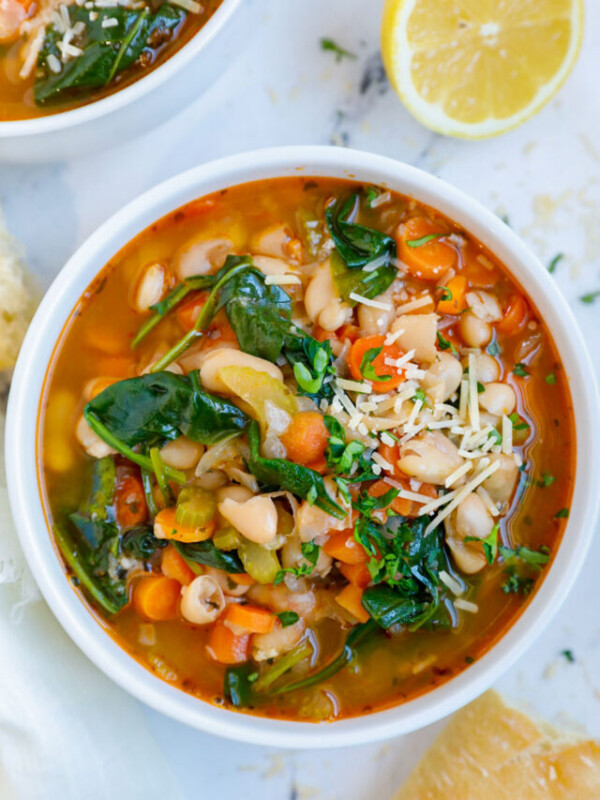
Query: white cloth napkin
[[66, 731]]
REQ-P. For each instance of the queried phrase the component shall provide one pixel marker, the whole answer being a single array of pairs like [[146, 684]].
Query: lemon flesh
[[476, 68]]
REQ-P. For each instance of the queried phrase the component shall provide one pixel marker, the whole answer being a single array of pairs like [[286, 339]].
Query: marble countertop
[[283, 89]]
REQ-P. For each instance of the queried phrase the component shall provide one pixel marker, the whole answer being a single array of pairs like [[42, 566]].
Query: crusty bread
[[16, 301], [491, 751]]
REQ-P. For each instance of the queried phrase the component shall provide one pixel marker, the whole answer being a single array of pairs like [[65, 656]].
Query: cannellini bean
[[498, 399], [202, 602], [278, 642], [486, 367], [229, 588], [474, 331], [471, 518], [273, 266], [501, 484], [234, 492], [281, 598], [273, 241], [429, 457], [182, 453], [419, 334], [216, 360], [211, 481], [149, 286], [312, 521], [291, 556], [256, 519], [376, 321], [443, 378], [201, 256], [322, 302], [484, 305], [93, 445]]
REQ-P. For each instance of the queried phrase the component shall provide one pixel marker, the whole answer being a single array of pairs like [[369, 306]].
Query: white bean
[[429, 457], [498, 399], [484, 305], [474, 331], [216, 360], [93, 445], [376, 321], [471, 518], [229, 588], [501, 484], [256, 518], [273, 266], [419, 334], [322, 302], [291, 556], [486, 367], [202, 602], [443, 378], [272, 241], [234, 492], [278, 642], [201, 256], [312, 521], [148, 286], [182, 453]]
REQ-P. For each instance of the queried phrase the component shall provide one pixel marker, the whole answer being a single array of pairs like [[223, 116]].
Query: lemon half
[[476, 68]]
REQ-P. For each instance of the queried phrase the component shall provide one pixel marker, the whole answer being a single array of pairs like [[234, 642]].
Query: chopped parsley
[[591, 297], [550, 379], [371, 194], [424, 239], [568, 655], [520, 370], [445, 344], [517, 423], [346, 458], [288, 618], [554, 262], [419, 395], [310, 551], [547, 479], [515, 584], [490, 543], [330, 46], [446, 293], [367, 368], [562, 514]]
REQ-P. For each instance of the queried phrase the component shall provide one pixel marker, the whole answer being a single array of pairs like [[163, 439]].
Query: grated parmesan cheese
[[424, 300], [473, 394], [507, 435], [466, 490], [189, 5], [458, 473], [282, 280], [381, 462], [466, 605], [366, 301], [354, 386], [392, 337], [387, 439], [451, 582], [110, 22]]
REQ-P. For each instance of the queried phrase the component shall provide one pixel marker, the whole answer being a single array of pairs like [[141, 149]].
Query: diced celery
[[227, 538], [195, 507], [260, 563]]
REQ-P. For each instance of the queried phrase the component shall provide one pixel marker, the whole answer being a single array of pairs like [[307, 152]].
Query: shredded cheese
[[467, 489], [387, 439], [458, 473], [282, 280], [189, 5], [466, 605], [424, 300], [507, 435], [354, 386], [366, 301], [489, 503], [473, 394], [451, 582], [380, 461], [392, 337]]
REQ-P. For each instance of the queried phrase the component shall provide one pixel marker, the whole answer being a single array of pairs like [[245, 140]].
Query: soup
[[306, 448], [57, 56]]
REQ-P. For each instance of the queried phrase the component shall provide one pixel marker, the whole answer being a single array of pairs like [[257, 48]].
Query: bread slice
[[491, 751], [16, 299]]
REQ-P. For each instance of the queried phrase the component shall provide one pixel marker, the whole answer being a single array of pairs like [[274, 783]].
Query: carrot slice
[[130, 502], [390, 377], [343, 547], [425, 258], [253, 619], [306, 438], [165, 527], [456, 303], [515, 316], [227, 647], [157, 597], [174, 566], [241, 578], [350, 598], [401, 505], [357, 574]]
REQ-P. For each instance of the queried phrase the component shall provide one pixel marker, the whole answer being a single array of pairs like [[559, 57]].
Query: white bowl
[[137, 108], [22, 467]]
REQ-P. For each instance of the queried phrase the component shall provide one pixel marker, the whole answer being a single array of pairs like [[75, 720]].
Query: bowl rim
[[21, 436], [74, 117]]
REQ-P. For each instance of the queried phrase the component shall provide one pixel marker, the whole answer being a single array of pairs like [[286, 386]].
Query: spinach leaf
[[206, 553], [106, 50], [141, 542], [99, 504], [388, 607], [356, 244], [312, 362], [353, 281], [237, 685], [300, 481], [162, 406], [259, 314]]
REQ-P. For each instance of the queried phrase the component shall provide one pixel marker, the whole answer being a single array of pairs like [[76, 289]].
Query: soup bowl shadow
[[22, 435], [137, 108]]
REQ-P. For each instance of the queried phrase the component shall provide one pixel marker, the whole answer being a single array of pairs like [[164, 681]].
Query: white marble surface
[[284, 90]]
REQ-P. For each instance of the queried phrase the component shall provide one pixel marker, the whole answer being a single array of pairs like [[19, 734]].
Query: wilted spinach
[[159, 407], [106, 50], [206, 553], [282, 474]]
